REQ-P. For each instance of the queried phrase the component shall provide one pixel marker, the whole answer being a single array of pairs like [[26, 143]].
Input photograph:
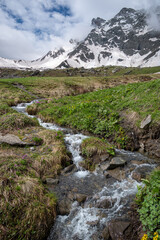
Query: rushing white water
[[73, 141], [111, 201]]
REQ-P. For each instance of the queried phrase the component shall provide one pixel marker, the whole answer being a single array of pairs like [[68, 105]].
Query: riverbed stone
[[51, 181], [105, 203], [104, 157], [105, 233], [136, 176], [141, 172], [93, 223], [104, 166], [116, 162], [69, 169], [117, 229], [118, 174], [64, 206], [81, 198]]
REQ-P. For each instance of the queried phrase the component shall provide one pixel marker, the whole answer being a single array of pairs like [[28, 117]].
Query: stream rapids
[[106, 198]]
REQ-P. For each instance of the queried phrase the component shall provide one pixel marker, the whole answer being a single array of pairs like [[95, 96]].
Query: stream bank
[[95, 205]]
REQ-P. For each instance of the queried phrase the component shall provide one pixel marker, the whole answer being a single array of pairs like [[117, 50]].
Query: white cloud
[[20, 41]]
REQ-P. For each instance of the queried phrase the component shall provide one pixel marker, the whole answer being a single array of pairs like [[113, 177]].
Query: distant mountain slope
[[128, 39]]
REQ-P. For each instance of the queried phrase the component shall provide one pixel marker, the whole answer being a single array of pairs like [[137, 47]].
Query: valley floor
[[119, 108]]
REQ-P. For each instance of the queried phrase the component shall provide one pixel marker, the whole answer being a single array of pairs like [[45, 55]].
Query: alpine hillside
[[129, 39]]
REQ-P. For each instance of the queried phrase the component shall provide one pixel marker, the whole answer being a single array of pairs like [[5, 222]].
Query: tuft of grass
[[4, 109], [95, 146], [37, 140], [10, 122], [27, 209], [92, 148]]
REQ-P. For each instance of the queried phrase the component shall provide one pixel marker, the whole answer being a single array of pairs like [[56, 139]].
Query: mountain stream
[[94, 198]]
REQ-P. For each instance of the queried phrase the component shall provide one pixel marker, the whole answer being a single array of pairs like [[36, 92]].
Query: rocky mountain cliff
[[128, 39]]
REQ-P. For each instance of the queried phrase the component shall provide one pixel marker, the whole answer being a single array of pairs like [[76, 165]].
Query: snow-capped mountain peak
[[128, 39]]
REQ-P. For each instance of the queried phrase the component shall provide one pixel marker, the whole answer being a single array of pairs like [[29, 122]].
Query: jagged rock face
[[53, 54], [128, 39], [128, 32], [97, 22]]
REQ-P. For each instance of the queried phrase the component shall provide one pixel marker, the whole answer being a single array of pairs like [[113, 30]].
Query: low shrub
[[148, 200]]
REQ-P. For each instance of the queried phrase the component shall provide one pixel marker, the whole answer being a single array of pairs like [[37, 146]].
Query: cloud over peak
[[30, 28]]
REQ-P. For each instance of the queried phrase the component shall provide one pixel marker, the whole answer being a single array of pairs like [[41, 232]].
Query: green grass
[[27, 209], [95, 146], [148, 200], [99, 112]]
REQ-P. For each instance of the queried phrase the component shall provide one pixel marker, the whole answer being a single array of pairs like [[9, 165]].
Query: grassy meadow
[[96, 101]]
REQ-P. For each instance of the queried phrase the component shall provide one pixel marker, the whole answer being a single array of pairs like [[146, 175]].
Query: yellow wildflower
[[145, 237], [155, 236]]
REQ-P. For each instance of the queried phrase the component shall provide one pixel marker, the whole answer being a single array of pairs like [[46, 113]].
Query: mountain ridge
[[127, 39]]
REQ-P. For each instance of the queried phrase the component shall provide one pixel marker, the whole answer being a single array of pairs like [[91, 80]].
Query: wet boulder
[[117, 229], [105, 233], [70, 169], [64, 207], [116, 162], [105, 203], [117, 174], [141, 172], [81, 198], [105, 166]]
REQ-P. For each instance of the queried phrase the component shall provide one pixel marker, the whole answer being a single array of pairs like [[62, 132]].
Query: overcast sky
[[30, 28]]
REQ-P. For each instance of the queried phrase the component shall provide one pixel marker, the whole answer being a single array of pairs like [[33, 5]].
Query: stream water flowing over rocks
[[94, 205]]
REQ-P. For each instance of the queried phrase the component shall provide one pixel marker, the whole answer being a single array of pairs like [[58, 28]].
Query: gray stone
[[12, 140], [64, 207], [106, 203], [81, 198], [51, 181], [32, 148], [104, 157], [146, 122], [104, 166], [141, 172], [116, 162], [69, 169], [117, 173]]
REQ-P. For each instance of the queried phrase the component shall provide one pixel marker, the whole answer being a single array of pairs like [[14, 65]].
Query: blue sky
[[30, 28]]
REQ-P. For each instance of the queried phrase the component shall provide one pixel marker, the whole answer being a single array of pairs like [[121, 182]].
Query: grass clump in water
[[95, 146], [94, 150]]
